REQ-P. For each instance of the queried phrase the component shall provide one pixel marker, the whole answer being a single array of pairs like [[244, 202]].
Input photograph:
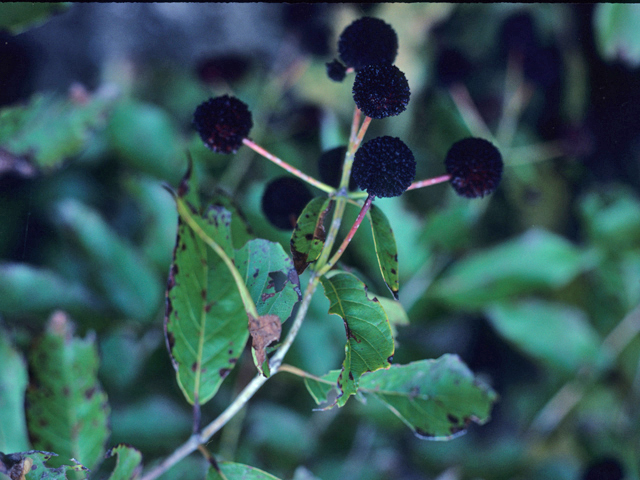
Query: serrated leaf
[[616, 32], [49, 130], [25, 288], [127, 278], [13, 383], [129, 463], [67, 410], [437, 399], [31, 466], [16, 17], [369, 340], [237, 471], [309, 234], [320, 390], [205, 322], [558, 335], [386, 249], [537, 259]]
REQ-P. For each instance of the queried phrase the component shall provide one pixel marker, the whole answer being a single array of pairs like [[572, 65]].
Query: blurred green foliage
[[535, 288]]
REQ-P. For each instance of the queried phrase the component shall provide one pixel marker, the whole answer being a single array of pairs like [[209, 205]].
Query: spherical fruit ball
[[283, 201], [330, 167], [475, 166], [384, 167], [223, 122], [368, 41], [381, 91]]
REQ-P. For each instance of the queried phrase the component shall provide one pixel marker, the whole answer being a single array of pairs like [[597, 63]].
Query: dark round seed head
[[330, 167], [381, 91], [368, 41], [283, 201], [475, 166], [336, 71], [384, 167], [223, 122]]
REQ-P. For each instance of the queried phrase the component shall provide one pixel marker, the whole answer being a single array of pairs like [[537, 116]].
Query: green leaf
[[369, 340], [31, 464], [395, 312], [308, 235], [386, 249], [437, 399], [206, 322], [616, 32], [67, 409], [145, 138], [556, 334], [16, 17], [13, 383], [49, 130], [129, 463], [237, 471], [270, 277], [537, 259], [240, 230], [319, 390], [130, 283], [25, 289]]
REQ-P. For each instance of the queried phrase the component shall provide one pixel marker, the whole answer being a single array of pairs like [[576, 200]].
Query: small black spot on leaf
[[224, 372]]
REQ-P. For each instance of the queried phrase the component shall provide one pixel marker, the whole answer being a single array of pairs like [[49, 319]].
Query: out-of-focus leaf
[[557, 334], [144, 137], [128, 280], [237, 471], [27, 289], [369, 341], [319, 390], [31, 466], [17, 17], [535, 260], [612, 219], [616, 32], [303, 473], [395, 313], [206, 322], [129, 463], [67, 410], [13, 383], [49, 130], [386, 249], [240, 231], [437, 399], [308, 235]]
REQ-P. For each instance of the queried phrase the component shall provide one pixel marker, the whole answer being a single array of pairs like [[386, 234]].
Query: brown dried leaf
[[264, 331]]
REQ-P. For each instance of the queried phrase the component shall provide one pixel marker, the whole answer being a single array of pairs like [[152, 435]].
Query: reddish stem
[[429, 181]]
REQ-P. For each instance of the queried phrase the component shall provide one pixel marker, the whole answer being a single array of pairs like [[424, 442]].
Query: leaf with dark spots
[[68, 409], [212, 319], [369, 339], [270, 277], [309, 233], [386, 249], [437, 399], [223, 372], [264, 331]]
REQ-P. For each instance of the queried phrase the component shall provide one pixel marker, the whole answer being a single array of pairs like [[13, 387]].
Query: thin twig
[[429, 181]]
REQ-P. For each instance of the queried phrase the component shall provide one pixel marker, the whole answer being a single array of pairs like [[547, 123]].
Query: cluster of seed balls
[[383, 166]]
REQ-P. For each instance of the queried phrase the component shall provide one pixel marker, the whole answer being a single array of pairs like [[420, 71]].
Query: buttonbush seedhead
[[384, 167], [475, 166], [223, 122], [381, 91], [283, 201], [368, 41]]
